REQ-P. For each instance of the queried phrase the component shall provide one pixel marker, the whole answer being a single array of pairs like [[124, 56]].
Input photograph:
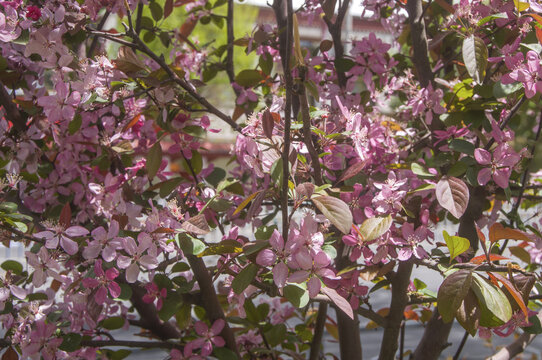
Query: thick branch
[[335, 30], [318, 331], [149, 316], [419, 42], [210, 300], [399, 299]]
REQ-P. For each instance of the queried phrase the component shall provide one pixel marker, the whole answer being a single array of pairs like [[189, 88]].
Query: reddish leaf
[[163, 230], [352, 171], [10, 354], [453, 195], [168, 8], [452, 292], [304, 190], [65, 216], [538, 32], [338, 300], [268, 123], [132, 122], [468, 314], [196, 225], [498, 232], [511, 290], [187, 27], [336, 211], [482, 258]]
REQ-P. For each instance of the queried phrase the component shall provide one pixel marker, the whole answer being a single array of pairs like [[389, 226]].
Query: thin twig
[[461, 345]]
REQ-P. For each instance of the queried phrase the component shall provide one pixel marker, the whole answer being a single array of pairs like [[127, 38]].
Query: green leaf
[[375, 227], [168, 186], [248, 78], [456, 244], [420, 170], [521, 6], [492, 17], [222, 353], [13, 266], [266, 63], [216, 176], [156, 10], [463, 146], [242, 280], [180, 267], [154, 160], [75, 124], [113, 323], [336, 211], [70, 342], [8, 207], [495, 306], [276, 335], [475, 57], [535, 328], [189, 244], [170, 307], [451, 293], [458, 169], [125, 292], [296, 294]]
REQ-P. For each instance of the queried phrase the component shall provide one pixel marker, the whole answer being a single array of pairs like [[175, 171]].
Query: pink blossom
[[153, 293], [501, 162], [56, 233], [103, 281], [33, 12], [208, 337], [136, 256], [280, 252], [104, 242]]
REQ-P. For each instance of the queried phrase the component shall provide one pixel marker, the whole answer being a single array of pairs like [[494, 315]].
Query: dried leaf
[[498, 232]]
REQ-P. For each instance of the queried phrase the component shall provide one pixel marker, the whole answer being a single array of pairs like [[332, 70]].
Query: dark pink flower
[[33, 12], [500, 164], [103, 281]]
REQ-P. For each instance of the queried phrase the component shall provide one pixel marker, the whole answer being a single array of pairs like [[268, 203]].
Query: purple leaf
[[339, 301], [336, 211], [453, 195]]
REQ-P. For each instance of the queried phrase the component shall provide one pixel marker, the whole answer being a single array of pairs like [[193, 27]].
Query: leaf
[[336, 211], [166, 187], [190, 245], [196, 225], [482, 258], [520, 253], [268, 123], [13, 266], [246, 202], [452, 292], [475, 57], [242, 280], [420, 170], [248, 78], [326, 45], [10, 354], [512, 291], [521, 6], [498, 232], [352, 171], [536, 327], [375, 227], [65, 216], [463, 146], [153, 160], [187, 27], [495, 307], [156, 10], [338, 300], [296, 294], [168, 8], [453, 195], [113, 323], [224, 247], [304, 190], [276, 335], [456, 244], [468, 314], [71, 342]]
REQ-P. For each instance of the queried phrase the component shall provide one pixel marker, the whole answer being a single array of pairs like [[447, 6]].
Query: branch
[[229, 31], [318, 331], [307, 132], [512, 112], [149, 315], [124, 343], [399, 299], [335, 30], [419, 42], [210, 300]]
